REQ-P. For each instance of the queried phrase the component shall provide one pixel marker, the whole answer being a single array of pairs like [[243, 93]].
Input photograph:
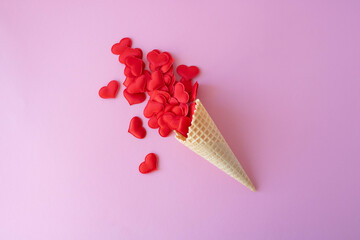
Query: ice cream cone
[[205, 139]]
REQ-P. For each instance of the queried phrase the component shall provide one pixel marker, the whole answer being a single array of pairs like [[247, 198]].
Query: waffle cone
[[205, 139]]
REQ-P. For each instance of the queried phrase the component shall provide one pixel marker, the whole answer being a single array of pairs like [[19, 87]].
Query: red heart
[[194, 92], [187, 72], [135, 64], [183, 126], [164, 129], [135, 97], [118, 48], [152, 108], [173, 101], [110, 90], [157, 59], [171, 120], [153, 122], [150, 163], [128, 81], [135, 52], [137, 85], [180, 94], [136, 128], [166, 67], [156, 81]]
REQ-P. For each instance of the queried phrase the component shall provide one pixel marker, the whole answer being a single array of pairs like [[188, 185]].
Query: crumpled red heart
[[118, 48], [136, 128], [109, 91], [187, 72], [134, 98], [150, 163], [135, 64], [137, 85], [166, 67], [180, 94]]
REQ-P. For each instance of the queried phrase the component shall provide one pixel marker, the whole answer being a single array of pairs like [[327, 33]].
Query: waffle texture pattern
[[205, 139]]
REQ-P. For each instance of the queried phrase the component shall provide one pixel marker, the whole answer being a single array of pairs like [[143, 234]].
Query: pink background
[[280, 78]]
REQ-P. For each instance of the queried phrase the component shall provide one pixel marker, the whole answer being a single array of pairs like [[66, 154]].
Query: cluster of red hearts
[[171, 102]]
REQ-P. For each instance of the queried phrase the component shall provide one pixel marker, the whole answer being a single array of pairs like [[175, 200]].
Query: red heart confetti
[[180, 94], [134, 98], [150, 163], [137, 85], [135, 64], [109, 91], [170, 106], [136, 128], [187, 72], [118, 48]]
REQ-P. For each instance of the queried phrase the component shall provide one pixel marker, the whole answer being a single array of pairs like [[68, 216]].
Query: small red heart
[[150, 163], [183, 126], [135, 64], [173, 101], [164, 129], [134, 98], [128, 81], [152, 108], [156, 81], [187, 72], [166, 67], [171, 120], [153, 122], [135, 52], [118, 48], [138, 85], [180, 94], [194, 92], [136, 128], [110, 90], [157, 59]]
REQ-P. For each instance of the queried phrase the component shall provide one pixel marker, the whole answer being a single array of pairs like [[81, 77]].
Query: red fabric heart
[[134, 98], [185, 108], [118, 48], [183, 126], [128, 81], [138, 85], [187, 72], [150, 163], [135, 64], [153, 122], [171, 120], [180, 94], [166, 67], [109, 91], [156, 81], [164, 129], [135, 52], [136, 128], [152, 108], [157, 59], [194, 92]]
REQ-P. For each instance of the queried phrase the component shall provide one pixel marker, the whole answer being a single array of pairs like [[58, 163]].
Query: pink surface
[[287, 74]]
